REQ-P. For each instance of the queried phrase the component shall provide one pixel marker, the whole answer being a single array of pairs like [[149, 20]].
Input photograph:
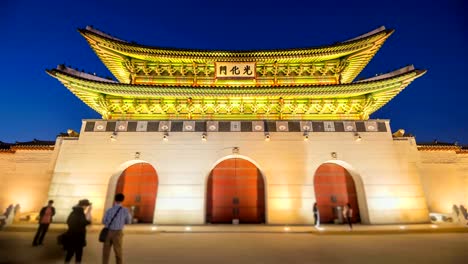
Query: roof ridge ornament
[[389, 74], [98, 32], [370, 33]]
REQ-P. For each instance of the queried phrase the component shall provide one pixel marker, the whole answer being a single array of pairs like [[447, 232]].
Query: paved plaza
[[254, 244]]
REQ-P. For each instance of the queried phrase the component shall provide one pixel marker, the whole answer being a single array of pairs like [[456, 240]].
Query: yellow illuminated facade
[[292, 115]]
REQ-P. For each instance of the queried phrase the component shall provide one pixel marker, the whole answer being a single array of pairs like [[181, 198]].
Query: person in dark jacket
[[76, 234], [45, 218]]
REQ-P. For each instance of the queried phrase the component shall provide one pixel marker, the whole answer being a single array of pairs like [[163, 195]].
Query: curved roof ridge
[[370, 33], [389, 74], [345, 42], [82, 74], [98, 32]]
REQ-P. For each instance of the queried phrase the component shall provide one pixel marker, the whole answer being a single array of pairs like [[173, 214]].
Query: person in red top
[[45, 218]]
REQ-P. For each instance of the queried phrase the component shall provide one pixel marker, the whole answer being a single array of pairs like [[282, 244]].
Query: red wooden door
[[235, 191], [139, 184], [334, 187]]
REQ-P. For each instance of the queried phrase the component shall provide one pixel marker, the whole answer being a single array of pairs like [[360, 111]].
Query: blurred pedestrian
[[77, 221], [316, 215], [45, 218], [348, 214], [115, 219]]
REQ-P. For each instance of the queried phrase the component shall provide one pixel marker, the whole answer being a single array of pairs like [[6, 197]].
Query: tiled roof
[[371, 94], [357, 52], [35, 142], [442, 146], [29, 145], [198, 53], [341, 90], [4, 145]]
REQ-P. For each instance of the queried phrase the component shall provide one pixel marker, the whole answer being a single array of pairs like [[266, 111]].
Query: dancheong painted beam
[[354, 101], [292, 84]]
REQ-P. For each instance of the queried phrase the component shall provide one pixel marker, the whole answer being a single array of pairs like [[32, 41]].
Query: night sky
[[39, 35]]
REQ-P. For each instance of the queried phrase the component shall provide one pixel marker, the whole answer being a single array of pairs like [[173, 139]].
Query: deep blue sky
[[37, 35]]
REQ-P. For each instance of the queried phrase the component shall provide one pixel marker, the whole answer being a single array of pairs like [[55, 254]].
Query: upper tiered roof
[[140, 64], [305, 84]]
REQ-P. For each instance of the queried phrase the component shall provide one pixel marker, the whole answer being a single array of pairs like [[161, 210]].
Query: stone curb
[[96, 229]]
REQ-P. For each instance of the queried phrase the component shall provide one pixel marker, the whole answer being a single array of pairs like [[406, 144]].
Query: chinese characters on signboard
[[235, 70]]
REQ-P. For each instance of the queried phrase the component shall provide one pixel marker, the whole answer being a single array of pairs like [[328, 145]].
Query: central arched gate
[[139, 184], [334, 187], [235, 190]]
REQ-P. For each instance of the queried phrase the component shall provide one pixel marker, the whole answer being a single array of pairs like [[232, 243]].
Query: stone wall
[[385, 172], [445, 179], [25, 178], [395, 182]]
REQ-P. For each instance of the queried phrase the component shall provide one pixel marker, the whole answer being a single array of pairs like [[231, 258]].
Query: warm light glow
[[388, 203], [282, 203], [179, 205], [320, 228], [154, 228], [286, 228], [402, 227], [26, 200], [434, 226], [188, 228]]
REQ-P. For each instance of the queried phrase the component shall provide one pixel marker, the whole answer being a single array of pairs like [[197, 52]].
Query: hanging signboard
[[235, 70]]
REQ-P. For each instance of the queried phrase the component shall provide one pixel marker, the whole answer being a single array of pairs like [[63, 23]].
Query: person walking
[[316, 215], [115, 219], [348, 214], [45, 218], [75, 239]]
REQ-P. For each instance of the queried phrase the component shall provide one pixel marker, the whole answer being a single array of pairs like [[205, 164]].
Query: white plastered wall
[[390, 191]]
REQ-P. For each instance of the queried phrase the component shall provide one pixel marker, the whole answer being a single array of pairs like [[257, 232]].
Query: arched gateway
[[139, 184], [235, 190], [334, 186]]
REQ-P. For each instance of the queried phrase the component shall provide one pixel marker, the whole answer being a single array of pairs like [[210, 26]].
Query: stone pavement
[[228, 244]]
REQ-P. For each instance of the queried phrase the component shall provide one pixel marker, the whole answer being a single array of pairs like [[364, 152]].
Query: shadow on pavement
[[15, 251]]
